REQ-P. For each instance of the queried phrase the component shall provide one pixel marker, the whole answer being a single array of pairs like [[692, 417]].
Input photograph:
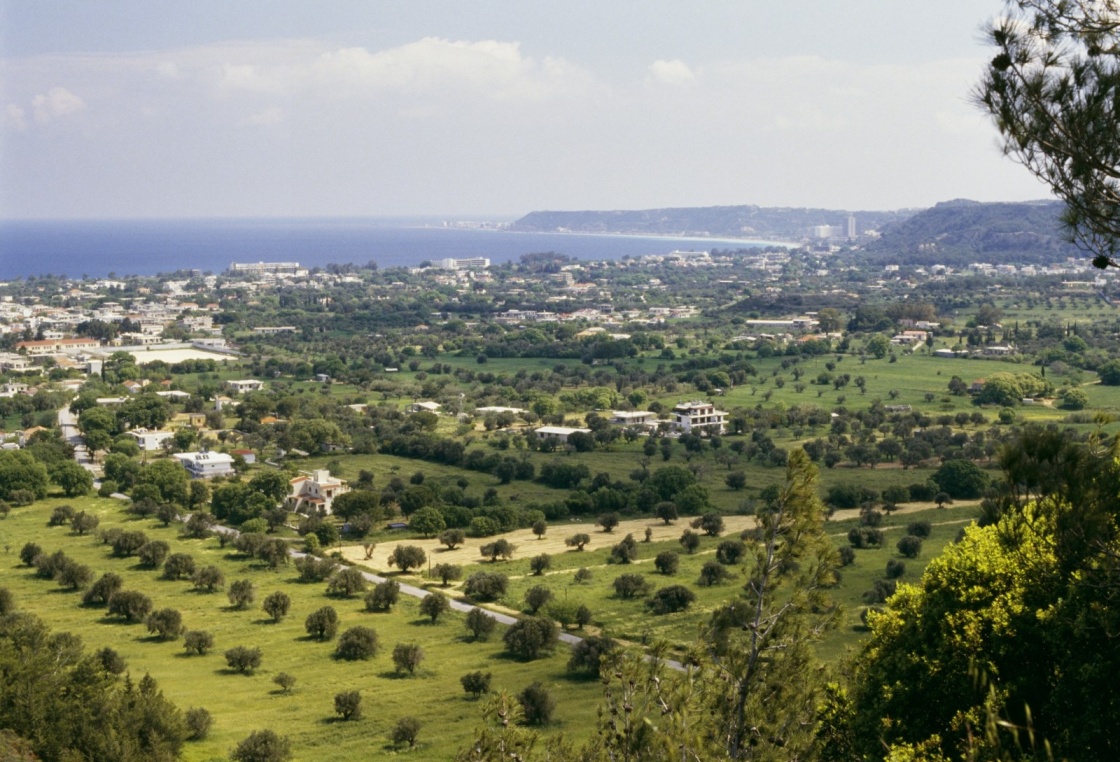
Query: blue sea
[[150, 247]]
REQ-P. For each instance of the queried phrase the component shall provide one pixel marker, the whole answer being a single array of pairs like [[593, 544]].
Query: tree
[[587, 655], [427, 521], [713, 573], [208, 578], [690, 541], [406, 557], [711, 523], [72, 478], [583, 574], [198, 641], [199, 721], [167, 624], [628, 586], [485, 586], [537, 597], [731, 552], [74, 576], [476, 683], [500, 548], [322, 624], [262, 746], [285, 681], [19, 470], [531, 637], [608, 521], [347, 583], [671, 599], [537, 704], [277, 605], [1109, 373], [736, 480], [1049, 90], [667, 562], [878, 346], [540, 527], [7, 602], [130, 604], [480, 624], [910, 546], [357, 643], [243, 659], [406, 731], [452, 538], [961, 479], [241, 594], [128, 543], [667, 511], [178, 565], [578, 540], [434, 605], [383, 596], [447, 572], [407, 657], [766, 695], [102, 590], [169, 478], [348, 705], [1073, 399]]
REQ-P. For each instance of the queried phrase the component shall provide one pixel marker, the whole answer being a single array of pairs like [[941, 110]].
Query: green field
[[243, 703]]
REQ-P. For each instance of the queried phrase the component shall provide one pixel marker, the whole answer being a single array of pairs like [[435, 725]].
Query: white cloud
[[266, 118], [57, 102], [675, 72], [15, 117]]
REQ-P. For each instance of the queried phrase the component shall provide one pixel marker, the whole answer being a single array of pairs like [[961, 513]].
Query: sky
[[491, 108]]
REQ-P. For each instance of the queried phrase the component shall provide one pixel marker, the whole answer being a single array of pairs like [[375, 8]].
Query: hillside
[[714, 221], [960, 232]]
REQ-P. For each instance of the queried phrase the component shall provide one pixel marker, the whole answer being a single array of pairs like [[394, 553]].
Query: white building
[[314, 492], [246, 385], [150, 441], [471, 263], [698, 416], [203, 465], [557, 433], [423, 407], [633, 417]]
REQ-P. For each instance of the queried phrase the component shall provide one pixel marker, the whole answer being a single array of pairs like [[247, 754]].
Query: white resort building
[[698, 416]]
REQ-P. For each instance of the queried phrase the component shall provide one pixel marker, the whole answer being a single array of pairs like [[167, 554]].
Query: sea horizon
[[98, 248]]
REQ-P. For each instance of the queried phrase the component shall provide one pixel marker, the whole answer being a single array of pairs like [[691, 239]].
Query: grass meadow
[[243, 703]]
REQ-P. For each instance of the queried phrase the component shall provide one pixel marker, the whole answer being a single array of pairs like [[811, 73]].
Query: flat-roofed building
[[698, 416], [203, 465], [557, 433]]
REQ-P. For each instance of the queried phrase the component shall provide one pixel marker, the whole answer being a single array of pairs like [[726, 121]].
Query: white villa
[[150, 441], [633, 417], [557, 433], [315, 490], [202, 465], [698, 416], [245, 385]]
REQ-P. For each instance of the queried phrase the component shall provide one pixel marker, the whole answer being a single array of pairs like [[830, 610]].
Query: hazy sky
[[291, 108]]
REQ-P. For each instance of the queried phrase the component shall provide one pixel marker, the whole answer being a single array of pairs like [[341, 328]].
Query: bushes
[[348, 705], [895, 569], [198, 641], [167, 624], [102, 590], [624, 552], [486, 586], [130, 604], [731, 552], [671, 599], [277, 605], [178, 565], [910, 546], [537, 597], [629, 586], [357, 643], [383, 596], [667, 562], [347, 583], [434, 605], [480, 624], [537, 704], [921, 529], [865, 537], [243, 659], [476, 683], [241, 594], [531, 637], [406, 731], [262, 746], [713, 573], [322, 624], [407, 657]]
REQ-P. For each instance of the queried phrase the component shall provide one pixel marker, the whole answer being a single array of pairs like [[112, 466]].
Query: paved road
[[68, 422]]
